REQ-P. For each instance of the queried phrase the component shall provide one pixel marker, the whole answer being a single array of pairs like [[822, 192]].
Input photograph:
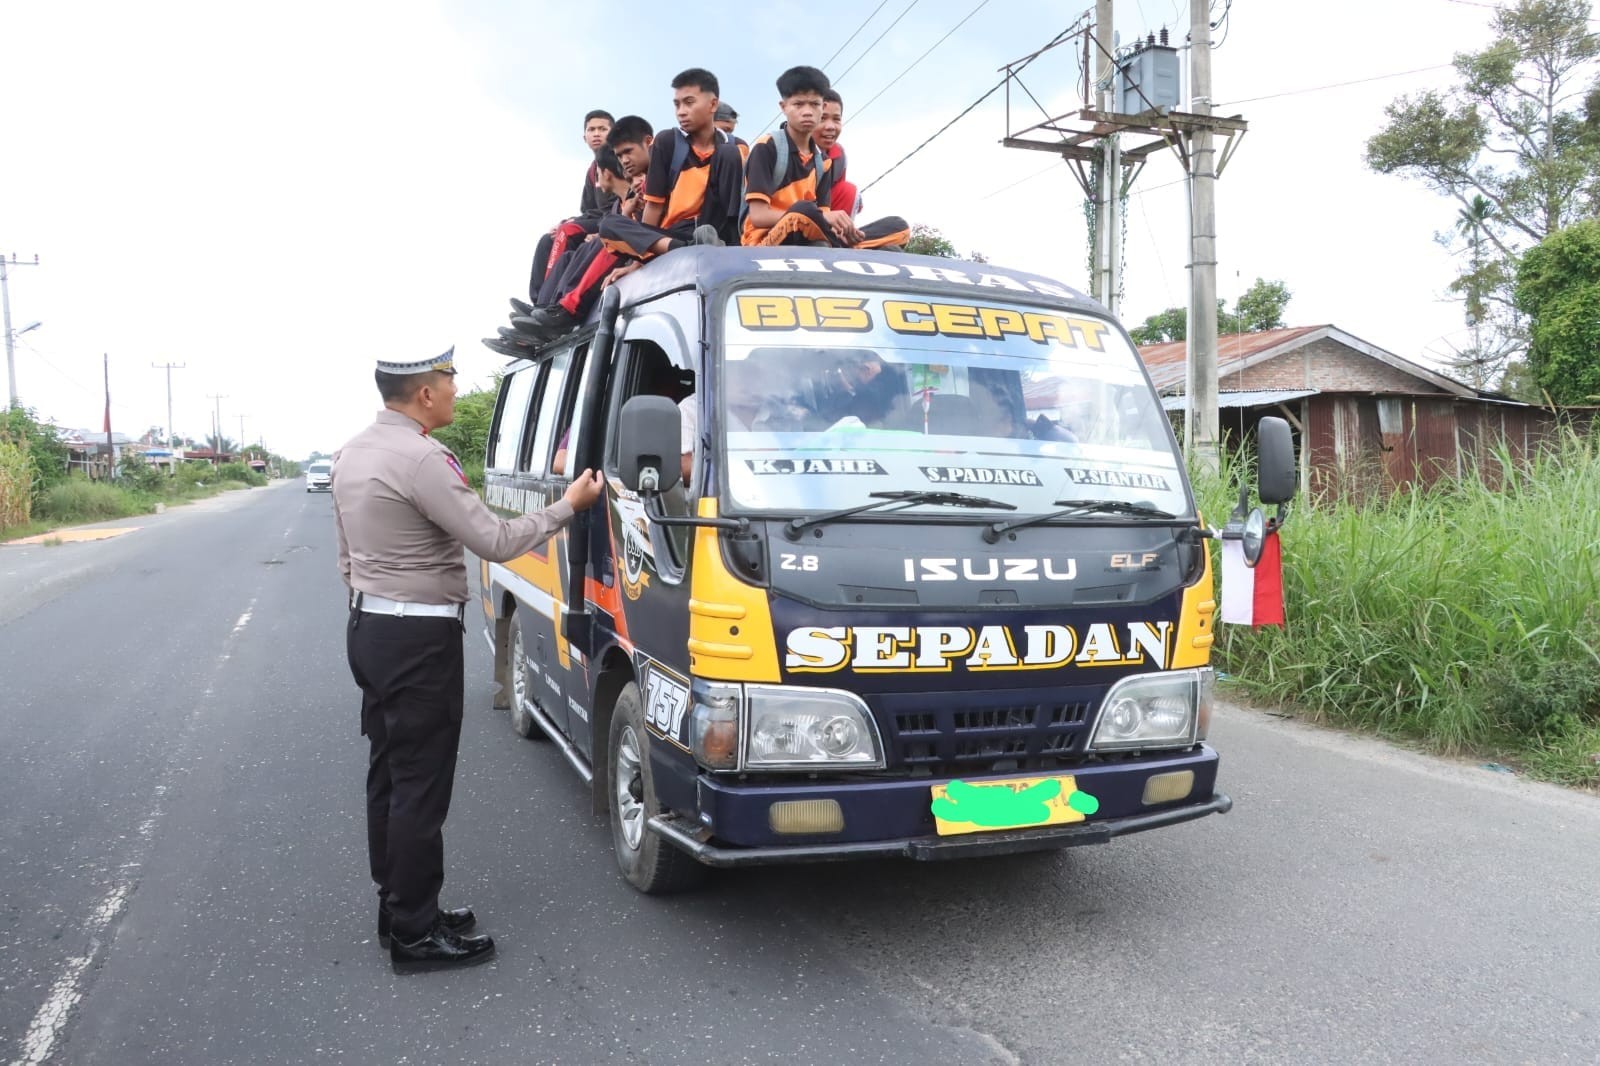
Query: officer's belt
[[400, 609]]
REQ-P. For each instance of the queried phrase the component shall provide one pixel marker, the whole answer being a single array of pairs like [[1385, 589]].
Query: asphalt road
[[184, 876]]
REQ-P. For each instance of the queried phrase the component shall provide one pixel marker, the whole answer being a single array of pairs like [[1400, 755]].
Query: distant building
[[1364, 419]]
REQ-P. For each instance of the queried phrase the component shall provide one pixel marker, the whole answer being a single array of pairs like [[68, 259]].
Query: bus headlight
[[1154, 711], [793, 728]]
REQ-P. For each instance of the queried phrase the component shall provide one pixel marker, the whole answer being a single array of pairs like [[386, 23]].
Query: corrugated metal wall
[[1361, 446]]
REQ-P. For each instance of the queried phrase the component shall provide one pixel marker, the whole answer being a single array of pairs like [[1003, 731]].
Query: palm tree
[[1471, 221]]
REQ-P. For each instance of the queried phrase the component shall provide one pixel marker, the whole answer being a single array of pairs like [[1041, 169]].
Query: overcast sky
[[276, 195]]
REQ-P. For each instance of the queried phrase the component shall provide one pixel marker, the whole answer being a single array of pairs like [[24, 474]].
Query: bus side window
[[510, 419], [569, 420], [550, 409]]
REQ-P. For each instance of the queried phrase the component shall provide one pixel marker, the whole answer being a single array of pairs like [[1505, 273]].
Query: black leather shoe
[[440, 950], [459, 920], [521, 308]]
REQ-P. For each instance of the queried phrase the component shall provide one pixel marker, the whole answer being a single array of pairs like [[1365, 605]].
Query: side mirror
[[649, 448], [1275, 467]]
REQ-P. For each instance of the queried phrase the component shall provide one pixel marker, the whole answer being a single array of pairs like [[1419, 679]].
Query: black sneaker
[[545, 323], [510, 351]]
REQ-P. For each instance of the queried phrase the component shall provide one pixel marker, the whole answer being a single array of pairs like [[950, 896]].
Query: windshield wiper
[[1077, 507], [909, 497]]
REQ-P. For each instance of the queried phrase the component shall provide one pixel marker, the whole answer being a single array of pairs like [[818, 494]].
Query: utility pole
[[5, 303], [1201, 439], [241, 433], [111, 448], [1106, 279], [169, 368], [216, 422]]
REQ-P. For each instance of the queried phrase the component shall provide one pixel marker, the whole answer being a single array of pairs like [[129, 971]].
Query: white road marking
[[244, 619]]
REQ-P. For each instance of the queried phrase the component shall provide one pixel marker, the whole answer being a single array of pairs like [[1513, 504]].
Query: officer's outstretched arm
[[441, 493]]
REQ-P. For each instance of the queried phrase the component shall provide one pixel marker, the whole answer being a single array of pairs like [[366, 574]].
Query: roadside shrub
[[82, 500], [137, 474], [21, 425], [241, 473]]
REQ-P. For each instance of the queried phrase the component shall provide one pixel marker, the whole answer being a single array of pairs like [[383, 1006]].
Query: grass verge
[[1465, 616], [78, 501]]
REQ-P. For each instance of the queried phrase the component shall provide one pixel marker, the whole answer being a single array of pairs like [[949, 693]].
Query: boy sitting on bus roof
[[593, 203], [787, 182], [844, 196], [692, 189], [574, 283]]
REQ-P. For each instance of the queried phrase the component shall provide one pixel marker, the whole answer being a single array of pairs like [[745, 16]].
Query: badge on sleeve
[[460, 473]]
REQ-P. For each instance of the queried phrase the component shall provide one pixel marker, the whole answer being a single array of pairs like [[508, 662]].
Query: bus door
[[549, 462], [658, 357]]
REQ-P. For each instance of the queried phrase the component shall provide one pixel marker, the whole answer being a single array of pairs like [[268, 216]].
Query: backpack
[[680, 155], [780, 166]]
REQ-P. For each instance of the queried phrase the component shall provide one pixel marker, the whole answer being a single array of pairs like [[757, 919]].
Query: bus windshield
[[829, 396]]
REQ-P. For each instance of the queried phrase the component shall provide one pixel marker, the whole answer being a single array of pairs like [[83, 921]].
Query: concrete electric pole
[[169, 368], [216, 422], [1202, 420], [5, 304], [1107, 278]]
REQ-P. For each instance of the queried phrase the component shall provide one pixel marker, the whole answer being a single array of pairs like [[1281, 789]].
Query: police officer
[[403, 511]]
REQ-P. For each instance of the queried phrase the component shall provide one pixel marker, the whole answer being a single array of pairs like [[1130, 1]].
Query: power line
[[1521, 54], [836, 52], [881, 5], [856, 112], [875, 41], [1010, 71], [964, 113], [1020, 181]]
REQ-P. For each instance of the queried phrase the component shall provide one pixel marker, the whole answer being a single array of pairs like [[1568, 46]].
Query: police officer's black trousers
[[411, 678]]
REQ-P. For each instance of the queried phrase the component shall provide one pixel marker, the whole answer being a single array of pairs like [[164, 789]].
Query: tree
[[927, 240], [1521, 131], [1558, 288], [220, 445], [1260, 308], [22, 426], [468, 435], [1168, 325]]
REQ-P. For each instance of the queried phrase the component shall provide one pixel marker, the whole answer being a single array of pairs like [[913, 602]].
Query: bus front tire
[[649, 863]]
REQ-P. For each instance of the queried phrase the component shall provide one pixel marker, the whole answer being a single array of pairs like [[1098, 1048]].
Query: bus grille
[[1022, 732]]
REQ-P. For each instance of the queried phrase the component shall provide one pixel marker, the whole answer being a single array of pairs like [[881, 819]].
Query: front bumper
[[681, 833], [892, 816]]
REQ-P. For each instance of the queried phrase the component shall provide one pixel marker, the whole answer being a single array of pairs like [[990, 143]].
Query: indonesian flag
[[1253, 597]]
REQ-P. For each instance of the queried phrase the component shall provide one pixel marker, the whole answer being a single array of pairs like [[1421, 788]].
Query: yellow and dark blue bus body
[[862, 628]]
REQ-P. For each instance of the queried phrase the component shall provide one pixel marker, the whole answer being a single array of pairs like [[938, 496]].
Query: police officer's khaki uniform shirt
[[403, 510]]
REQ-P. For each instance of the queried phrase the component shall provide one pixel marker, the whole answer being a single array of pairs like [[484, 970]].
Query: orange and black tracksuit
[[695, 187], [799, 192]]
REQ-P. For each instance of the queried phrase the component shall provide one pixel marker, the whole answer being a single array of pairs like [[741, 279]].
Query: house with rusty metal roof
[[1365, 419]]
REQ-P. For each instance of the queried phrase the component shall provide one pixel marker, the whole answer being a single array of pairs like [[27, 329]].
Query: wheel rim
[[630, 812], [519, 674]]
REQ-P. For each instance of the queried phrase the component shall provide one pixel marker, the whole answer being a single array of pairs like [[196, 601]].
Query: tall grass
[[16, 483], [1464, 615], [81, 500]]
